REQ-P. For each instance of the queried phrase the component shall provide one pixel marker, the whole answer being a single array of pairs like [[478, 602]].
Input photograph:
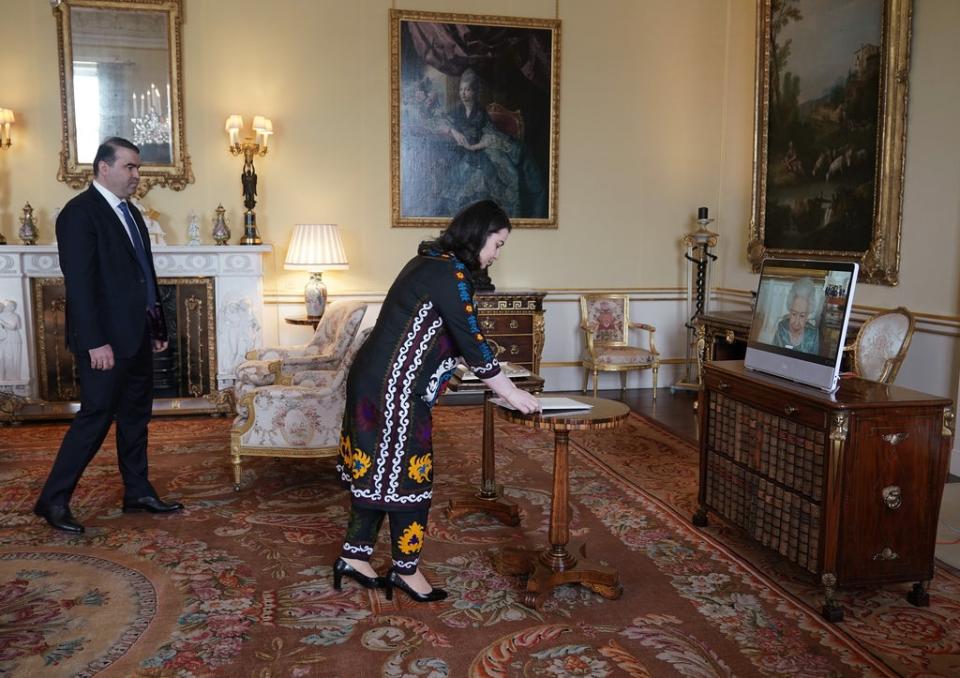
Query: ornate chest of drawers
[[513, 319], [845, 485]]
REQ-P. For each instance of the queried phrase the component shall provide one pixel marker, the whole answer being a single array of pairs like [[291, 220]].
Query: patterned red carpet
[[240, 583]]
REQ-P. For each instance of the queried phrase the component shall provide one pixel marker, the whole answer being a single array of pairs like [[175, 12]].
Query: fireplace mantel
[[237, 271]]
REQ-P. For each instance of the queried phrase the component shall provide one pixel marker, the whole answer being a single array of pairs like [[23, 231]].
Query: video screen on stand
[[800, 319]]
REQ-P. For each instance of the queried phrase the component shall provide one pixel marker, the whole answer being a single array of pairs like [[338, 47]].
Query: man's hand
[[160, 345], [101, 358]]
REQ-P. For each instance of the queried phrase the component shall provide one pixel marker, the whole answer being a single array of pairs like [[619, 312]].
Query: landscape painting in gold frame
[[474, 115], [830, 134]]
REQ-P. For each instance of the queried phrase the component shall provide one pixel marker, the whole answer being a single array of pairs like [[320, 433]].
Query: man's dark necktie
[[141, 254]]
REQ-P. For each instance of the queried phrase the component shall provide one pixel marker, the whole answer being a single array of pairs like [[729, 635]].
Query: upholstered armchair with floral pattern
[[298, 420], [881, 345], [278, 364], [605, 321]]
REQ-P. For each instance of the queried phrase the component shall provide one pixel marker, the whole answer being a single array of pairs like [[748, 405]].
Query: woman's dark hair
[[467, 233]]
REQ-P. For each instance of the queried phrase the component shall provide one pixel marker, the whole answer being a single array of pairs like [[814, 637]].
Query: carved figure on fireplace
[[11, 343], [241, 330]]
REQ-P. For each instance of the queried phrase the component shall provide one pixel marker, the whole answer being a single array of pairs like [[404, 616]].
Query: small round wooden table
[[555, 565]]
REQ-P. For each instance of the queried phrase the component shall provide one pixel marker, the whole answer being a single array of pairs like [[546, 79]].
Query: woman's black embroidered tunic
[[427, 320]]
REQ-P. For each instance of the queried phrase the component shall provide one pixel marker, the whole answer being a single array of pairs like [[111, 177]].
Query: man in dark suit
[[113, 323]]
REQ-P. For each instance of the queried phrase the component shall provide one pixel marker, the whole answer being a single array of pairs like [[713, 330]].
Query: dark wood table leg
[[490, 498], [556, 565], [557, 558]]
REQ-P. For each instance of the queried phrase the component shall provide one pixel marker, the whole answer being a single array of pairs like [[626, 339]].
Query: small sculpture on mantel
[[221, 233], [154, 229], [193, 229], [28, 227]]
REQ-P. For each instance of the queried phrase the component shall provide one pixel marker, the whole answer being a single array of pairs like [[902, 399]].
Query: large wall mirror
[[120, 75]]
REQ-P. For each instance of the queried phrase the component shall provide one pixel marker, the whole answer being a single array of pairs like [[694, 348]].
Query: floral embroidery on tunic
[[420, 468], [360, 464], [411, 541]]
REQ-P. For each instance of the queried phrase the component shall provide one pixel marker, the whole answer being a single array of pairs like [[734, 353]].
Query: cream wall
[[640, 130], [656, 119]]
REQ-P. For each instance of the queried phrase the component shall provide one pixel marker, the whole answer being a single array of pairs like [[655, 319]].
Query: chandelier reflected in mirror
[[151, 117]]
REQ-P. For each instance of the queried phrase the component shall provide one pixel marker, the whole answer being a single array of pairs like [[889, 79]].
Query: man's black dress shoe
[[151, 504], [342, 567], [395, 580], [59, 517]]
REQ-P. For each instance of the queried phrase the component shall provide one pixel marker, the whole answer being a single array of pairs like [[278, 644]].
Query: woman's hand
[[458, 137], [517, 397], [523, 401]]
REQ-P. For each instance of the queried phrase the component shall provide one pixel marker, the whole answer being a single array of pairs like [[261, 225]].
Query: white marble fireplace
[[237, 271]]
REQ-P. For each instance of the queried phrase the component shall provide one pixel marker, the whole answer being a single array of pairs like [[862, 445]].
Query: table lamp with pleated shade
[[316, 248]]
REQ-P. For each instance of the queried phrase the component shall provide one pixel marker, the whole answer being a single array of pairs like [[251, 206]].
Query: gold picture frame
[[497, 140], [121, 74], [828, 154]]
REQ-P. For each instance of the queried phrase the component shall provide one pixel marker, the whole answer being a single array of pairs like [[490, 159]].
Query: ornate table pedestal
[[556, 565], [489, 499]]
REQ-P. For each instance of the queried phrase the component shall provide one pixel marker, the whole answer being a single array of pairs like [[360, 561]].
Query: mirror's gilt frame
[[179, 172]]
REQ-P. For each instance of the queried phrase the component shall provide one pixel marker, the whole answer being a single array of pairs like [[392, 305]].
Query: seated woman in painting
[[457, 156], [796, 329], [487, 163]]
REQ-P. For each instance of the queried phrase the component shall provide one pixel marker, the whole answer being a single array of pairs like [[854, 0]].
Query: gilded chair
[[299, 420], [325, 351], [881, 345], [605, 321]]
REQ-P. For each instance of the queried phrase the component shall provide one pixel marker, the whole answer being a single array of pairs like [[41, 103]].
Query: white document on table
[[549, 404]]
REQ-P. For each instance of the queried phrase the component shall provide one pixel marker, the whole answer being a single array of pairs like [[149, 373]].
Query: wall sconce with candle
[[316, 248], [249, 147], [6, 119]]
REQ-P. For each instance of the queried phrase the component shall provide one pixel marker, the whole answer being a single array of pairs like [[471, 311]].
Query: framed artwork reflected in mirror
[[121, 75]]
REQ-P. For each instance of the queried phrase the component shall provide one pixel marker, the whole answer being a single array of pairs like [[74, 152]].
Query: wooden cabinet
[[514, 320], [846, 485], [725, 334]]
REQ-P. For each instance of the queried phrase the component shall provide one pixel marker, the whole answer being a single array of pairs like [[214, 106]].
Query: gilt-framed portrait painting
[[474, 116], [830, 135]]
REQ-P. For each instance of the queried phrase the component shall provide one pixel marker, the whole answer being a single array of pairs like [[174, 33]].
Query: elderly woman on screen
[[795, 329]]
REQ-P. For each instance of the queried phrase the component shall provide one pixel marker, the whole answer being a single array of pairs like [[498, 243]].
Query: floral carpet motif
[[241, 582]]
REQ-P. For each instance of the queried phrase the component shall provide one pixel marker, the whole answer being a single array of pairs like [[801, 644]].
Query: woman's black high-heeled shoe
[[394, 579], [342, 567]]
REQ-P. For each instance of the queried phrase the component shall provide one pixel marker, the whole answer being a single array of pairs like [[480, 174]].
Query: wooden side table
[[555, 565], [489, 499]]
